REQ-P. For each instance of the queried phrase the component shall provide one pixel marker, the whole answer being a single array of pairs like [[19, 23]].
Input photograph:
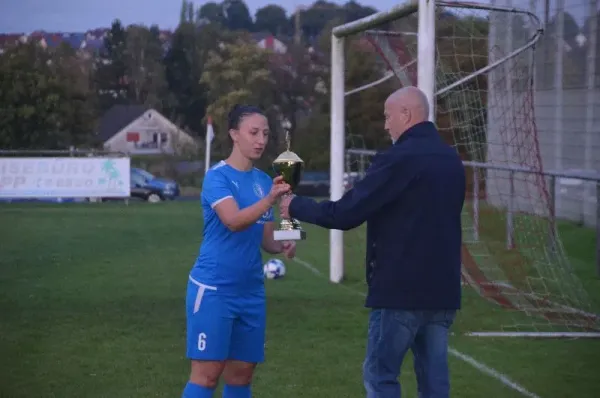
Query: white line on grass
[[308, 266], [483, 368], [492, 372]]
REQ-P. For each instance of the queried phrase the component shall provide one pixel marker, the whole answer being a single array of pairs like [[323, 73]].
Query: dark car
[[146, 186]]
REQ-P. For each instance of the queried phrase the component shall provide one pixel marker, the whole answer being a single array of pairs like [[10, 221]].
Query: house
[[269, 42], [6, 41], [89, 43], [139, 130]]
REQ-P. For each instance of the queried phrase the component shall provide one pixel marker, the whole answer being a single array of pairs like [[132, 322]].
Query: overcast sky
[[80, 15]]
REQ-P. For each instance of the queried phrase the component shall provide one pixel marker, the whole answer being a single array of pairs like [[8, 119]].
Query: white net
[[485, 69]]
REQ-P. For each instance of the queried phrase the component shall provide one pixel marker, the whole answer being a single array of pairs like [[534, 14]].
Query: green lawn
[[92, 305]]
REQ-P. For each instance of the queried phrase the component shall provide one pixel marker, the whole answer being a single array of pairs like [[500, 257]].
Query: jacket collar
[[424, 130]]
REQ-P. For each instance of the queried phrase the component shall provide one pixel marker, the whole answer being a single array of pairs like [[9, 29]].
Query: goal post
[[338, 136], [475, 63]]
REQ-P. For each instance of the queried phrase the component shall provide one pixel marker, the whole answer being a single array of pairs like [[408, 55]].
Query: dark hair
[[238, 112]]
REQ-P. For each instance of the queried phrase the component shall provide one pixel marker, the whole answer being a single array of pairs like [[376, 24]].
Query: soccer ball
[[274, 269]]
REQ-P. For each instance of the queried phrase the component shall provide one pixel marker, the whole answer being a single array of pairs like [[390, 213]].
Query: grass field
[[92, 305]]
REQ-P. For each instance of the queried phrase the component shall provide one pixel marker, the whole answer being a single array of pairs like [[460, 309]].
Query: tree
[[184, 64], [354, 11], [272, 19], [145, 69], [110, 78], [237, 73], [76, 109], [186, 15], [42, 107], [297, 75], [364, 109], [237, 15], [212, 12], [313, 20]]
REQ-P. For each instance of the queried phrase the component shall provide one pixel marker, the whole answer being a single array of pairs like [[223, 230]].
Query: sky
[[25, 16]]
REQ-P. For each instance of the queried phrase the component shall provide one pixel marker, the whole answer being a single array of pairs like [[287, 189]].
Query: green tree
[[45, 102], [237, 15], [272, 18], [145, 69], [212, 12], [297, 76], [110, 77], [237, 73], [353, 11], [184, 64], [187, 13], [364, 109]]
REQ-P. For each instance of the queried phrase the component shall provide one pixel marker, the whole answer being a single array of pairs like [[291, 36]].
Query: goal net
[[484, 99]]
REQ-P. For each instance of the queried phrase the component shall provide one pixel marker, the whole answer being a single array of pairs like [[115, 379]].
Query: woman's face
[[251, 136]]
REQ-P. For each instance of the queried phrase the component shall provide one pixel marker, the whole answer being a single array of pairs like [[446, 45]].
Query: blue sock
[[192, 390], [237, 391]]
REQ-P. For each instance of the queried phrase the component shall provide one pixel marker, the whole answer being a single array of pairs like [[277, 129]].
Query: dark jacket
[[412, 198]]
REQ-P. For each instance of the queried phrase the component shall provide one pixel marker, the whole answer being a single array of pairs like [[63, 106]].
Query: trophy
[[289, 166]]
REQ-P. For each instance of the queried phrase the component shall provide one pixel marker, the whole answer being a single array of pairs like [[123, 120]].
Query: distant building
[[269, 42], [92, 41], [138, 130]]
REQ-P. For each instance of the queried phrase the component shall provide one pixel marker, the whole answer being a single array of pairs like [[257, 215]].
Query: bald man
[[411, 198]]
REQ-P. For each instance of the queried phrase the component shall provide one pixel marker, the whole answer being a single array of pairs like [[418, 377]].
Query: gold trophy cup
[[289, 166]]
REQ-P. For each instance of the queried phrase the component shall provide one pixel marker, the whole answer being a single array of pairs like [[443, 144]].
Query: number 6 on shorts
[[201, 342]]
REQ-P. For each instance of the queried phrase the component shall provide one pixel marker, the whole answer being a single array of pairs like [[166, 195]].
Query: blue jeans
[[391, 334]]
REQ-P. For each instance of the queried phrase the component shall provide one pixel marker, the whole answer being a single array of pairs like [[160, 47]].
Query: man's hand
[[284, 206], [289, 249]]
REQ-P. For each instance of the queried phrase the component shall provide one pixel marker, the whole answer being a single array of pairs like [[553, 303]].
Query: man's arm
[[387, 178]]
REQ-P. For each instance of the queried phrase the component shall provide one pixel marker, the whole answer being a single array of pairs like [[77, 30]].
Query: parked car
[[146, 186]]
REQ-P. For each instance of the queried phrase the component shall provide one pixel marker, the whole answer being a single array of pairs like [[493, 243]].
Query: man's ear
[[233, 135]]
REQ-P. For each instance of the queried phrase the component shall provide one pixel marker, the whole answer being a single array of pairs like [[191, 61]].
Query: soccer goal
[[476, 64]]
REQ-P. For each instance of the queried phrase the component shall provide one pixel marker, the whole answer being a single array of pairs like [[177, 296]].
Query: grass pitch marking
[[483, 368]]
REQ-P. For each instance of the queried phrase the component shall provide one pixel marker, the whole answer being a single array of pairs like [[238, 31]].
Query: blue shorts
[[224, 326]]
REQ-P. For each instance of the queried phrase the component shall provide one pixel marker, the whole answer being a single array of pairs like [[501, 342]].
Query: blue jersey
[[232, 261]]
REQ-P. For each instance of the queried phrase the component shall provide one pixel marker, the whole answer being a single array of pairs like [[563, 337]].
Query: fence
[[510, 206]]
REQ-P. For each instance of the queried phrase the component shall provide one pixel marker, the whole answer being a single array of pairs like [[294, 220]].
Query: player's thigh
[[248, 332], [209, 324]]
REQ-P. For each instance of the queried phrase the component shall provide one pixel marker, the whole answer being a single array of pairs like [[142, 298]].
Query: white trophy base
[[289, 234]]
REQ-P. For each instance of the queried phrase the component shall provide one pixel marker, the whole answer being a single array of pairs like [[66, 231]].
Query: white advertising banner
[[64, 177]]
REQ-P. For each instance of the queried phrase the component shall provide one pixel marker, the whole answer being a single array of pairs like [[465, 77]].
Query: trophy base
[[289, 234]]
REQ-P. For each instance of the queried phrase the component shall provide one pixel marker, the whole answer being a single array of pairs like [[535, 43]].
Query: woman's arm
[[238, 220]]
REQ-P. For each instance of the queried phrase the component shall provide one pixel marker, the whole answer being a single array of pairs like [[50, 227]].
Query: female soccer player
[[226, 303]]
